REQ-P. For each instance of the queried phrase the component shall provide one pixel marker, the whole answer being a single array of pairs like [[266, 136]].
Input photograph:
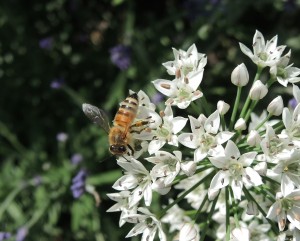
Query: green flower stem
[[250, 197], [9, 199], [205, 105], [223, 123], [257, 76], [182, 196], [235, 108], [250, 110], [197, 109], [264, 121], [200, 208], [271, 81], [227, 214], [208, 220], [235, 210], [265, 190]]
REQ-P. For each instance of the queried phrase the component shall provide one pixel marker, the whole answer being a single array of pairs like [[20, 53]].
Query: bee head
[[118, 149]]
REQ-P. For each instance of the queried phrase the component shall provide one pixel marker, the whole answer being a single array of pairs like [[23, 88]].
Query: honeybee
[[119, 135]]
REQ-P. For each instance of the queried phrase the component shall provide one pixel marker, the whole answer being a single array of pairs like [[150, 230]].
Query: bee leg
[[144, 124], [131, 149], [140, 123]]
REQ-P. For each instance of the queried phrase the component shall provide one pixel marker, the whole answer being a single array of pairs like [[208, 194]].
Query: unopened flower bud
[[276, 106], [222, 107], [188, 168], [240, 125], [258, 90], [189, 231], [240, 75], [261, 168], [253, 138]]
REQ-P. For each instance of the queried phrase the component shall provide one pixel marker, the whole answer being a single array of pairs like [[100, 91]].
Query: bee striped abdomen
[[127, 111]]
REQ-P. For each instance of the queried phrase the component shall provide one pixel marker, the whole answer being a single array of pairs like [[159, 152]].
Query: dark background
[[68, 43]]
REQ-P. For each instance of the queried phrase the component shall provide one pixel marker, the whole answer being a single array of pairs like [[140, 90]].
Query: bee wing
[[96, 115]]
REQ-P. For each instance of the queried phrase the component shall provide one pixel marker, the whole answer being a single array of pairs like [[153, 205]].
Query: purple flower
[[78, 183], [46, 43], [293, 103], [4, 235], [76, 158], [21, 234], [37, 180], [57, 83], [120, 55], [61, 137]]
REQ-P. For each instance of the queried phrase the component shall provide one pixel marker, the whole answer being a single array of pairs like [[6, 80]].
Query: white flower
[[291, 122], [166, 132], [205, 137], [188, 69], [276, 106], [167, 166], [181, 93], [235, 170], [264, 54], [136, 177], [288, 168], [186, 62], [122, 205], [146, 224], [285, 73], [240, 75], [272, 145], [189, 232], [287, 206], [258, 90]]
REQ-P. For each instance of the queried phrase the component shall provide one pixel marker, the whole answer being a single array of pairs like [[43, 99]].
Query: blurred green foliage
[[69, 41]]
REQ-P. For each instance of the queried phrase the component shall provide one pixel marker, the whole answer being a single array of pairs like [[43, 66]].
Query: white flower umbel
[[166, 131], [264, 54], [146, 224], [235, 170], [136, 177], [205, 137], [287, 206], [285, 73]]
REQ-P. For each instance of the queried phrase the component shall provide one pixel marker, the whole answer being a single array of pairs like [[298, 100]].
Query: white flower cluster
[[234, 171]]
